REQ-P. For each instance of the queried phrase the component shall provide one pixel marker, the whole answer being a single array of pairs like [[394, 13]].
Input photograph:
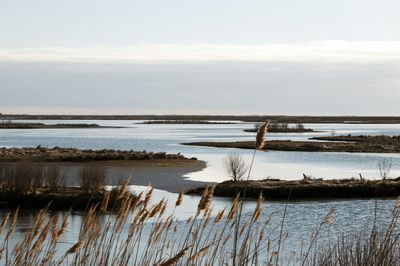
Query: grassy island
[[58, 154], [282, 128], [13, 125], [370, 144], [307, 189], [67, 177]]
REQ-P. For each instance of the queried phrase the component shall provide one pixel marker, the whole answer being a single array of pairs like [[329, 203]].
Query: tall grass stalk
[[141, 233], [259, 144]]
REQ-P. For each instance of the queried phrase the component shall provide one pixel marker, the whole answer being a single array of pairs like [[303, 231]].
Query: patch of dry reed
[[142, 233]]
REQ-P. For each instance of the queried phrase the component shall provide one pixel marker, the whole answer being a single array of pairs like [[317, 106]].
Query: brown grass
[[35, 185], [57, 154], [120, 239], [308, 188], [92, 178]]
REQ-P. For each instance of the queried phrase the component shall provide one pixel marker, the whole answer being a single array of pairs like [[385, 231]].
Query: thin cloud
[[328, 51]]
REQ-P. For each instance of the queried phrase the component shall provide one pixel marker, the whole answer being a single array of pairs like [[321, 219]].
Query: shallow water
[[302, 216], [300, 222], [156, 137]]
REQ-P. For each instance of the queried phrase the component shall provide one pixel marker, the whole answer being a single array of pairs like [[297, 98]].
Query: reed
[[92, 178], [375, 246], [121, 239], [27, 176], [139, 232]]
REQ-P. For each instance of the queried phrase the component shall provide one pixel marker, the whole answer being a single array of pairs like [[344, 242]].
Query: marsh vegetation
[[126, 229], [141, 233], [361, 144], [282, 128]]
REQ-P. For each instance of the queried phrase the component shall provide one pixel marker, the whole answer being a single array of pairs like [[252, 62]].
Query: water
[[301, 220], [302, 217], [156, 137]]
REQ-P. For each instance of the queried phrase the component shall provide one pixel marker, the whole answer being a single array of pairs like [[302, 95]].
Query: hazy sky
[[200, 57]]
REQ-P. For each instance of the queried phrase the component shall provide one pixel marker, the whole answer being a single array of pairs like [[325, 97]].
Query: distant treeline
[[245, 118]]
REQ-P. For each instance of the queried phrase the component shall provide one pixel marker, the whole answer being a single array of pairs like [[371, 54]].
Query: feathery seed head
[[260, 138], [329, 217], [179, 200]]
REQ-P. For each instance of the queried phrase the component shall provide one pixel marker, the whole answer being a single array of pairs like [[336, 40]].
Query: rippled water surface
[[302, 217], [156, 137]]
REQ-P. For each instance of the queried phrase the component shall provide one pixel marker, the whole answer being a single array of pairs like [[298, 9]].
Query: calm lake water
[[351, 215], [277, 164]]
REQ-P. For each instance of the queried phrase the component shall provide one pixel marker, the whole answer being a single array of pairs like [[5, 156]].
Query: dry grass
[[144, 234], [58, 154], [55, 178], [308, 188], [31, 177], [34, 185], [92, 178], [121, 239], [202, 240], [374, 247], [26, 177]]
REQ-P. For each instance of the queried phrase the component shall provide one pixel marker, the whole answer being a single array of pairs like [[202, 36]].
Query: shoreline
[[244, 118], [307, 189], [290, 130], [168, 176], [185, 122], [354, 144], [160, 174], [28, 165], [7, 125], [58, 154]]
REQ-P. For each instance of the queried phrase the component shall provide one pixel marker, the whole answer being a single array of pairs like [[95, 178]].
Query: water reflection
[[301, 218], [156, 137]]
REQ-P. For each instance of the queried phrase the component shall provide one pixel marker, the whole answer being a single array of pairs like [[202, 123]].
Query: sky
[[294, 57]]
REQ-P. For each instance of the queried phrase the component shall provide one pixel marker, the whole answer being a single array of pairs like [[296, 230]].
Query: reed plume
[[104, 202], [75, 248], [179, 200], [260, 138], [258, 210], [234, 208], [206, 199], [329, 217], [13, 224], [200, 253], [4, 223], [64, 226], [220, 216], [175, 259]]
